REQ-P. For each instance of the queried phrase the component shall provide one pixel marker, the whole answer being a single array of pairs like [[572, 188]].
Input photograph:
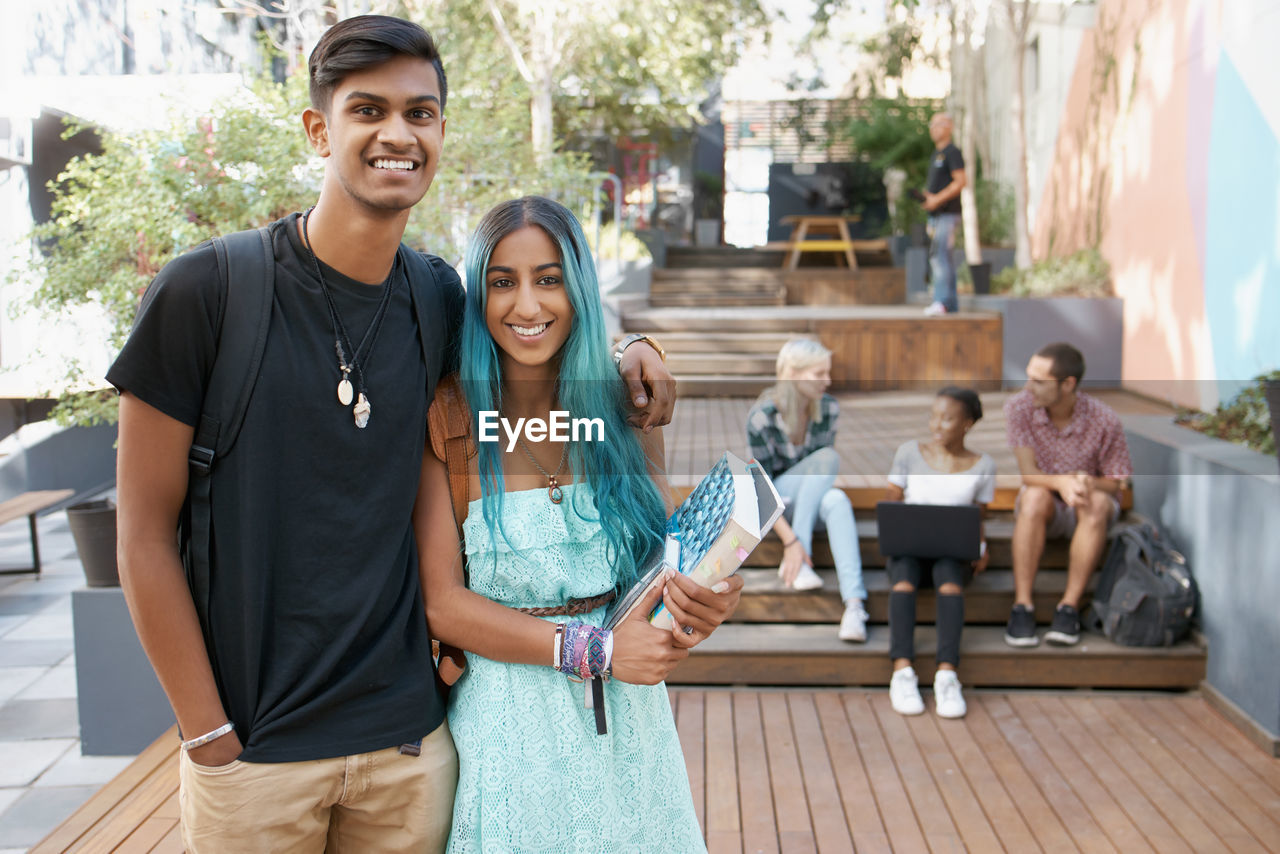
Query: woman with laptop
[[940, 471], [791, 432]]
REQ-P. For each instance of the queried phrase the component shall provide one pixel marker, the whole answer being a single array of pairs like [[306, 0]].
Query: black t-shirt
[[319, 641], [945, 161]]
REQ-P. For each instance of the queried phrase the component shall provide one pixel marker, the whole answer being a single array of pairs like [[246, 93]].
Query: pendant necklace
[[342, 342], [554, 492]]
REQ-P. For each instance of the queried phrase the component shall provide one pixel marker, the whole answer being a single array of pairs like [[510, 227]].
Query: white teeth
[[394, 164], [529, 330]]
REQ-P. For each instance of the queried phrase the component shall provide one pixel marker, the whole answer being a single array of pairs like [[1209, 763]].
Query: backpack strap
[[429, 300], [246, 264], [246, 273], [449, 423]]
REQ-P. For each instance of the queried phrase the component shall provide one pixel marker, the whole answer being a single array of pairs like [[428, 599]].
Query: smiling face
[[527, 308], [948, 421], [812, 381], [382, 134]]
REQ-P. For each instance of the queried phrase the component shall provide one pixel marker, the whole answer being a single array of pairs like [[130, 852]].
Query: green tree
[[600, 65], [119, 216]]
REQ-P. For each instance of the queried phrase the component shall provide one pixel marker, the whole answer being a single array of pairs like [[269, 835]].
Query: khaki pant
[[383, 801]]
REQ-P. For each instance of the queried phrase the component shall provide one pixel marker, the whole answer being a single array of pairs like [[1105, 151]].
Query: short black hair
[[968, 398], [1067, 360], [366, 41]]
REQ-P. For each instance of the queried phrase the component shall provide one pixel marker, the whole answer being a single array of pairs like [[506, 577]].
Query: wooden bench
[[136, 811], [29, 504], [865, 497]]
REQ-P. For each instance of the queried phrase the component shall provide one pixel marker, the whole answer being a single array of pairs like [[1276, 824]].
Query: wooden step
[[788, 654], [709, 288], [722, 385], [724, 342], [999, 531], [683, 364], [673, 320], [692, 257], [988, 598], [698, 300], [718, 274]]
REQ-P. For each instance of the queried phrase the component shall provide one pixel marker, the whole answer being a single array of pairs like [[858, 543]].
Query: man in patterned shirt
[[1074, 462]]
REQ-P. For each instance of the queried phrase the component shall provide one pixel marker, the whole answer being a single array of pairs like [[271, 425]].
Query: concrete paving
[[43, 777]]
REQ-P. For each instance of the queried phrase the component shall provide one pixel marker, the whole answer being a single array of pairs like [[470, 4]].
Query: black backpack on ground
[[1145, 595]]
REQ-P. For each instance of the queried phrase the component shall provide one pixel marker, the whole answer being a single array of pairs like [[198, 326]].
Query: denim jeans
[[808, 487], [942, 227]]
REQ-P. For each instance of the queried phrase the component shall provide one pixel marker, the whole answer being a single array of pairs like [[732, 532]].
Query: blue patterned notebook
[[711, 533]]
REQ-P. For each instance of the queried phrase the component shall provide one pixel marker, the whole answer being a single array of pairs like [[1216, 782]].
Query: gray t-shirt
[[923, 484]]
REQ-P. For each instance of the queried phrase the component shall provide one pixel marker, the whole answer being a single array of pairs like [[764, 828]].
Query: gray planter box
[[1220, 502], [122, 706], [1093, 324]]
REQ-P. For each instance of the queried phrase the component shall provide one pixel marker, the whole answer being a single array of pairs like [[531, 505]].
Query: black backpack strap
[[428, 309], [246, 270], [246, 264]]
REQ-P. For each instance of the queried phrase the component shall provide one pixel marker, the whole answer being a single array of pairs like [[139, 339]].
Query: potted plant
[[1068, 298], [93, 527]]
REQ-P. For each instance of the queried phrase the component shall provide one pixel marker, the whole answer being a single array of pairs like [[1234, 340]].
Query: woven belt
[[571, 608]]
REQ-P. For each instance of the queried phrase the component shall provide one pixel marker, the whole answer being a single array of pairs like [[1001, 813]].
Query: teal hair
[[627, 503]]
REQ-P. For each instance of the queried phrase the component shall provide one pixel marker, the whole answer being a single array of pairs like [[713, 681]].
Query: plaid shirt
[[770, 444], [1093, 441]]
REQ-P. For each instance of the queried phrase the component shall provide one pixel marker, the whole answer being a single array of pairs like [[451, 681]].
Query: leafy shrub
[[1083, 274], [119, 216], [1246, 420]]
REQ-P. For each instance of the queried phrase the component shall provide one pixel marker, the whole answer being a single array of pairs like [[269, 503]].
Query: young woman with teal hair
[[558, 528]]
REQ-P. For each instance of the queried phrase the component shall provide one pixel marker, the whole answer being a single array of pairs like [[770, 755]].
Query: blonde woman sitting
[[791, 431]]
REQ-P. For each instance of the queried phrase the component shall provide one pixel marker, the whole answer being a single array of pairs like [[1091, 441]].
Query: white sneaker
[[904, 692], [853, 625], [947, 696], [935, 309], [806, 578]]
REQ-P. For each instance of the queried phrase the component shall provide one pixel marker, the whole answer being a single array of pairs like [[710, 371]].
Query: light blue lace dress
[[533, 775]]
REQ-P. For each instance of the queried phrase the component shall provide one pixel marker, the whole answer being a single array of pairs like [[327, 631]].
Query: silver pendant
[[361, 412], [344, 392]]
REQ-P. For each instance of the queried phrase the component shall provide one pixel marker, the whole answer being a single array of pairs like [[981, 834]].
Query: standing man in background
[[942, 200]]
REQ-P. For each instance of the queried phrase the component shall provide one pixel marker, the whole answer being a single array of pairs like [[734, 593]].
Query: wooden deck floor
[[839, 771], [872, 425]]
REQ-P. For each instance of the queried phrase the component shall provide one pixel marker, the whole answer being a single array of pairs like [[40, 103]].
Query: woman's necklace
[[553, 487], [362, 409]]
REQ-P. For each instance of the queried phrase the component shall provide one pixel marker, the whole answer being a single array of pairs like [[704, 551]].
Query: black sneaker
[[1065, 630], [1021, 630]]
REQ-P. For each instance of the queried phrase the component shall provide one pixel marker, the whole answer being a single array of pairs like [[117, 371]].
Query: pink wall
[[1125, 171]]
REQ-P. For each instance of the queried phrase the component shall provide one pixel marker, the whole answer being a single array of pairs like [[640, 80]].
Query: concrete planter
[[706, 232], [122, 706], [1093, 324], [1220, 501]]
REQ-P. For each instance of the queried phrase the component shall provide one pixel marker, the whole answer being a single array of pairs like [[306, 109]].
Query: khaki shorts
[[383, 801], [1063, 524]]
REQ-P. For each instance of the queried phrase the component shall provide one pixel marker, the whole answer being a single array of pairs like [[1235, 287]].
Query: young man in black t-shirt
[[942, 200], [305, 692]]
